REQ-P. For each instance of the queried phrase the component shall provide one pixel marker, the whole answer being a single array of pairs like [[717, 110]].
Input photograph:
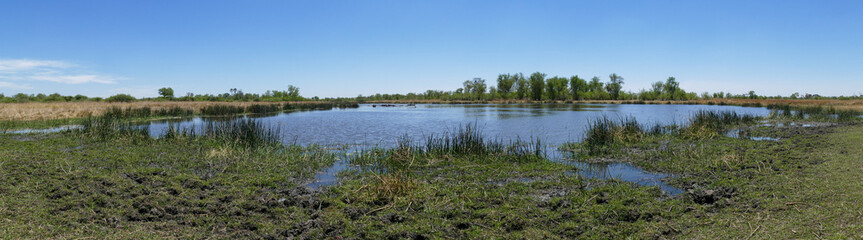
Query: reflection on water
[[46, 130], [625, 172], [555, 124]]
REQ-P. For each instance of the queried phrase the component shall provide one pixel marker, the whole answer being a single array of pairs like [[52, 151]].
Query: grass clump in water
[[243, 132], [710, 124], [604, 134], [813, 113], [222, 110], [112, 127], [263, 108]]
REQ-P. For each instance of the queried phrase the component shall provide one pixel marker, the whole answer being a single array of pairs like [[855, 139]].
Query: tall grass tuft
[[112, 127], [318, 106], [466, 143], [814, 113], [145, 112], [222, 110], [604, 133], [244, 132], [173, 112], [469, 140], [263, 108], [710, 124]]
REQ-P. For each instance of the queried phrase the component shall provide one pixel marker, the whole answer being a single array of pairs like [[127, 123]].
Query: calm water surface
[[369, 126]]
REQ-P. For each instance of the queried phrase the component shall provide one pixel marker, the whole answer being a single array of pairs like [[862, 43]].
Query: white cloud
[[14, 86], [75, 79], [26, 64], [50, 71]]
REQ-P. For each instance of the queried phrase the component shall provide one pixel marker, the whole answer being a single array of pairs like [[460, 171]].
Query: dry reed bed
[[63, 110]]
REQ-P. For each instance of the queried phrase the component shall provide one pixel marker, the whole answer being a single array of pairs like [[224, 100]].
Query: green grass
[[63, 186]]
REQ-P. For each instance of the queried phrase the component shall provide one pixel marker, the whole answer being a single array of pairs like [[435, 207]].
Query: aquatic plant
[[111, 127], [710, 124], [221, 110], [263, 108], [243, 132], [603, 133], [813, 112], [318, 106]]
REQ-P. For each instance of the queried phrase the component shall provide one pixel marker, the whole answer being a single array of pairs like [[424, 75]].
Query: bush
[[121, 98]]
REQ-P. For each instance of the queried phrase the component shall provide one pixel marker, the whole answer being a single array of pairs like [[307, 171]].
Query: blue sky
[[346, 48]]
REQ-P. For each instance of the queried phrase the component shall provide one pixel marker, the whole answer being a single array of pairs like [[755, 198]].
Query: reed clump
[[318, 106], [243, 133], [112, 127], [263, 108], [604, 133], [147, 112], [467, 143], [711, 124], [222, 110], [814, 113]]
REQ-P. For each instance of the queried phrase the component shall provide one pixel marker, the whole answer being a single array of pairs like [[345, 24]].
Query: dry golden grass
[[63, 110]]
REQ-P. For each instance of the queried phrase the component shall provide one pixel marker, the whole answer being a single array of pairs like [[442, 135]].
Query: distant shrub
[[120, 98]]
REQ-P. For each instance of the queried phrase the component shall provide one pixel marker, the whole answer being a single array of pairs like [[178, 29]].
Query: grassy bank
[[48, 115], [235, 181], [25, 112]]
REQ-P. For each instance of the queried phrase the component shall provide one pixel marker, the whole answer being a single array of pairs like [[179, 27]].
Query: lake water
[[553, 124]]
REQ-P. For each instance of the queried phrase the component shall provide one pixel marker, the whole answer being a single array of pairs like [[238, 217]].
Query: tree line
[[510, 86], [539, 87]]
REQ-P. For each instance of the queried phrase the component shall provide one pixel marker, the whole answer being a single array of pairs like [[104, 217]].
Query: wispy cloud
[[27, 64], [50, 71], [14, 86]]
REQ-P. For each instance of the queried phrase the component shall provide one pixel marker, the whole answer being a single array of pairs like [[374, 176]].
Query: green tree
[[505, 84], [166, 92], [294, 93], [595, 85], [556, 88], [522, 86], [577, 86], [614, 85], [537, 85], [478, 88], [672, 87]]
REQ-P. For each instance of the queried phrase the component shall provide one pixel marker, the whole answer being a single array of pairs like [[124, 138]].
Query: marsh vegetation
[[238, 178]]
